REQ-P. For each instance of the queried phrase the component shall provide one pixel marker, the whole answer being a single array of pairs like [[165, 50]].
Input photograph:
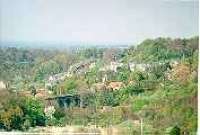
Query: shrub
[[52, 121], [59, 113], [138, 104], [12, 118], [26, 124], [173, 130], [31, 112], [35, 110]]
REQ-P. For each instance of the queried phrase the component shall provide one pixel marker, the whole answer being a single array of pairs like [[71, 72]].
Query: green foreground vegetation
[[159, 90]]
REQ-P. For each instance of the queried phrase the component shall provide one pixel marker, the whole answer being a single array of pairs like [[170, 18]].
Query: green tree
[[34, 111]]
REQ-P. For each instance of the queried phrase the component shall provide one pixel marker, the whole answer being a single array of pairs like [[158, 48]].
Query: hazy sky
[[96, 20]]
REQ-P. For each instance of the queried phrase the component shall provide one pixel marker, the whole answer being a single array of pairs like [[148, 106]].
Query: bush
[[138, 104], [34, 109], [26, 124], [52, 121], [12, 118], [19, 113], [173, 130], [59, 113]]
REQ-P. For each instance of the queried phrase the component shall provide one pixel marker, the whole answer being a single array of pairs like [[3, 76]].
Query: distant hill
[[60, 45]]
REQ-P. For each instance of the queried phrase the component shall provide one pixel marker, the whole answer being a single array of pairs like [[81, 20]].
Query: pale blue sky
[[96, 21]]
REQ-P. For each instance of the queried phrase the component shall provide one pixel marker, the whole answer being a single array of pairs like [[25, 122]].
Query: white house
[[2, 85], [115, 65], [105, 78], [51, 79], [141, 67], [92, 65], [112, 67], [105, 68]]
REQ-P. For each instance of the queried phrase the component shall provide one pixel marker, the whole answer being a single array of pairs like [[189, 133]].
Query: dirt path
[[70, 130]]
